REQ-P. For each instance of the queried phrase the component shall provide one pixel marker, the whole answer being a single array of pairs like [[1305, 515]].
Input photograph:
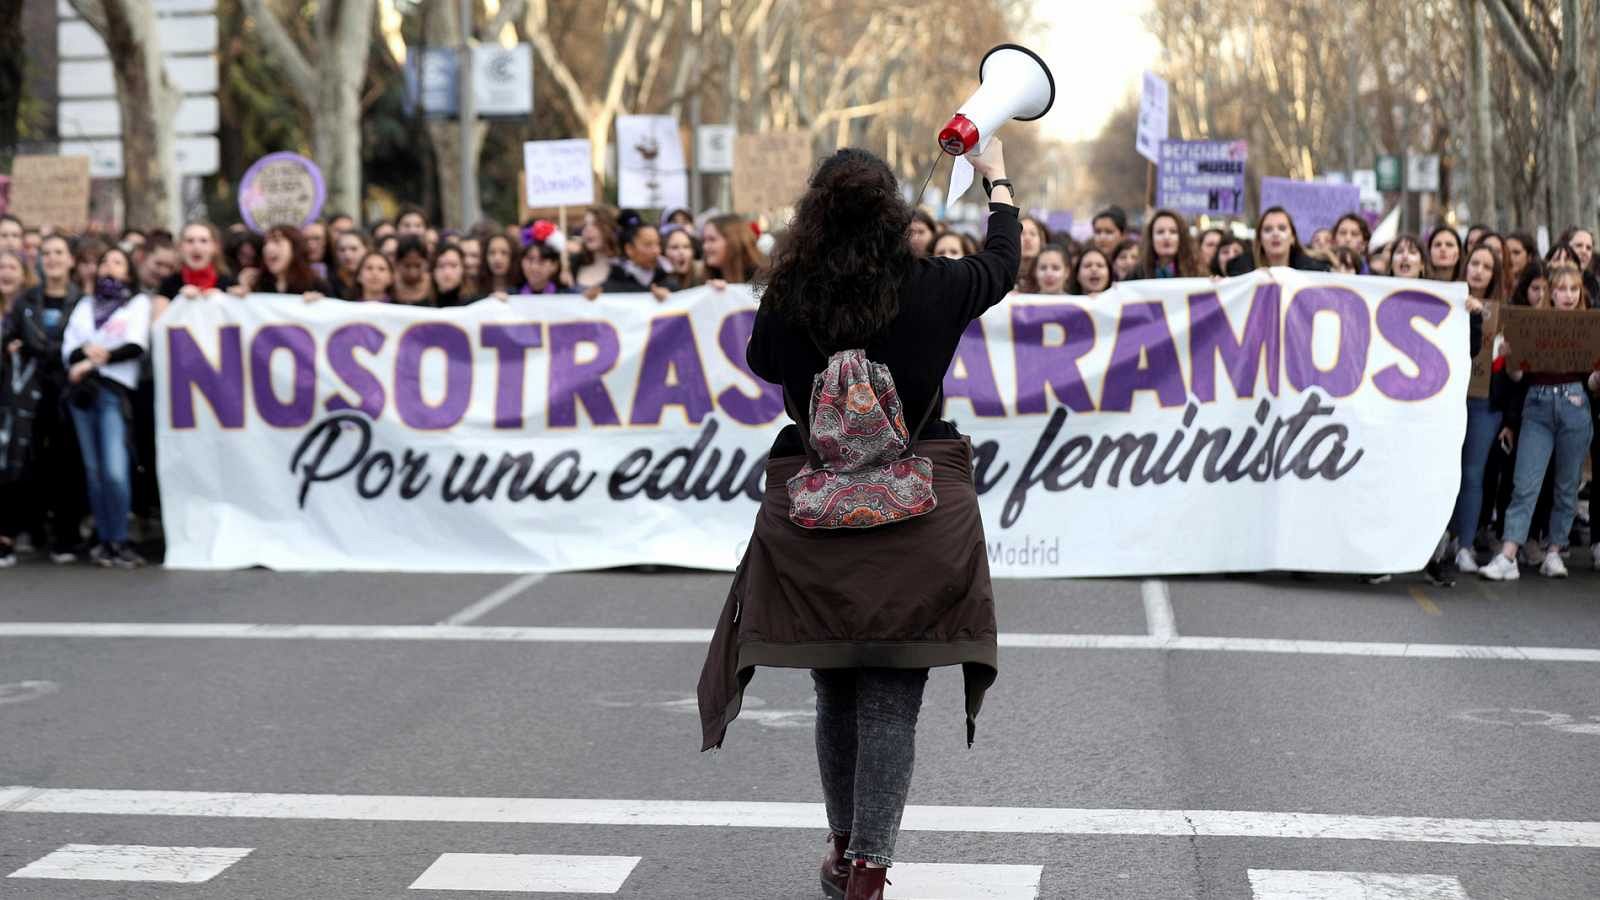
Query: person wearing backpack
[[867, 562]]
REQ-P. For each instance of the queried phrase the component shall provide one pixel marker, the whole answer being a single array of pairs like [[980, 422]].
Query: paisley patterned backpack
[[860, 471]]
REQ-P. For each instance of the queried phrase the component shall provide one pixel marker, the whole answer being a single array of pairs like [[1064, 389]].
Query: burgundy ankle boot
[[835, 868], [866, 883]]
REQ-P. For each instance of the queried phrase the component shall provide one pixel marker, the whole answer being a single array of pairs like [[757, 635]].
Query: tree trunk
[[149, 106], [445, 138], [1482, 195]]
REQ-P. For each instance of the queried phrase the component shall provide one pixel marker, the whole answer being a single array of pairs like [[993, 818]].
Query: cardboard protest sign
[[51, 190], [1551, 340], [1483, 362], [1202, 177], [770, 170]]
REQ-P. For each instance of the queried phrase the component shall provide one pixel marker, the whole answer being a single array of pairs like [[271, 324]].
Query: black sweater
[[938, 300]]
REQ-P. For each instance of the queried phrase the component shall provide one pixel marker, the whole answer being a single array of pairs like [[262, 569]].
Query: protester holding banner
[[639, 270], [1091, 274], [1206, 247], [1166, 249], [1277, 243], [1125, 261], [730, 250], [541, 271], [1483, 418], [1405, 257], [105, 338], [1353, 232], [200, 268], [349, 248], [447, 273], [1110, 229], [1445, 261], [376, 279], [868, 610], [242, 250], [316, 237], [1556, 425], [682, 252], [53, 482], [413, 281], [600, 249], [1049, 274]]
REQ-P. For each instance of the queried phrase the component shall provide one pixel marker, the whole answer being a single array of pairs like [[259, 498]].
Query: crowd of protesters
[[77, 437]]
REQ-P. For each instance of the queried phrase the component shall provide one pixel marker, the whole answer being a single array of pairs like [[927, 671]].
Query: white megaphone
[[1015, 84]]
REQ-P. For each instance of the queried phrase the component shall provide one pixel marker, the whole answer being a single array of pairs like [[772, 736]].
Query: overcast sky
[[1096, 50]]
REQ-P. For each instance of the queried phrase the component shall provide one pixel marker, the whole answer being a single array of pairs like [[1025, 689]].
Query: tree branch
[[1514, 33], [281, 47], [93, 13], [539, 36], [510, 11]]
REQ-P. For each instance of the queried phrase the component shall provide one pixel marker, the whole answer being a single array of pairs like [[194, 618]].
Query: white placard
[[66, 10], [502, 79], [558, 173], [87, 78], [199, 155], [650, 169], [179, 34], [103, 118], [1152, 117], [714, 148], [1279, 420], [1422, 173]]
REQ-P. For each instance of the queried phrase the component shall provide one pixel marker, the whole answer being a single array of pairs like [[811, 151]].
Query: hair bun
[[629, 218]]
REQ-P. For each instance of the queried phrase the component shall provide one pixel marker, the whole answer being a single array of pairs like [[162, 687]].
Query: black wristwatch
[[989, 186]]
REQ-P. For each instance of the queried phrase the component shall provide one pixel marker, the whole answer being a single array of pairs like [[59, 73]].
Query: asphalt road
[[1401, 742]]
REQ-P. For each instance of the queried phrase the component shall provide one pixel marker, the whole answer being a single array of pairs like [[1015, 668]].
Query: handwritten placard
[[557, 173], [51, 190], [770, 170], [281, 189], [1483, 361], [1551, 340]]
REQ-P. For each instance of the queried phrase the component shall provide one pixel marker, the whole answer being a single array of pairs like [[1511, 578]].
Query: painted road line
[[527, 873], [949, 881], [563, 635], [492, 602], [1428, 606], [1158, 609], [1287, 884], [746, 814], [122, 862]]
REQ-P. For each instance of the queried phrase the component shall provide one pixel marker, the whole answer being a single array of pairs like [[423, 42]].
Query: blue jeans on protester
[[103, 438], [1556, 425], [1483, 424]]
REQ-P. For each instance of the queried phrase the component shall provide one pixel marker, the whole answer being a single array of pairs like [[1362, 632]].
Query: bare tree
[[149, 107], [327, 77]]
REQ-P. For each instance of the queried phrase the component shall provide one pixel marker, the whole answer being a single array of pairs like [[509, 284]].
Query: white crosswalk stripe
[[1295, 884], [126, 862], [950, 881], [527, 873]]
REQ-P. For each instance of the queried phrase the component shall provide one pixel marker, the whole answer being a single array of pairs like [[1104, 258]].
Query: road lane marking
[[746, 814], [527, 873], [562, 635], [1288, 884], [23, 691], [492, 602], [123, 862], [1428, 606], [1158, 609], [953, 881]]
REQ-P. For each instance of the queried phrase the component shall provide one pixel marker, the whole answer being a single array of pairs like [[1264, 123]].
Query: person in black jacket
[[53, 485], [1276, 244], [868, 610], [639, 270]]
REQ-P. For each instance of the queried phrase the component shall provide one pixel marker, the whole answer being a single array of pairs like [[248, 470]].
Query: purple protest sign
[[281, 189], [1202, 177], [1311, 204]]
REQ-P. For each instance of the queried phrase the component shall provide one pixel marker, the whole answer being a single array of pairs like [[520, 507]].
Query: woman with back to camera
[[868, 610]]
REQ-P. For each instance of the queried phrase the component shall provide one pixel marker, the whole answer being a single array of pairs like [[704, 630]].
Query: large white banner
[[1281, 420]]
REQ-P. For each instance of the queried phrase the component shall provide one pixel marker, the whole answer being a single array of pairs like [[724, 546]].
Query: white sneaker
[[1466, 562], [1553, 567], [1501, 568]]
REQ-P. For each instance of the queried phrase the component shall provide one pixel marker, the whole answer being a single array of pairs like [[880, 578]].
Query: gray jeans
[[866, 747]]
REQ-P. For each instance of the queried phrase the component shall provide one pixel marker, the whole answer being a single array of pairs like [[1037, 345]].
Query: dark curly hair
[[838, 268]]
